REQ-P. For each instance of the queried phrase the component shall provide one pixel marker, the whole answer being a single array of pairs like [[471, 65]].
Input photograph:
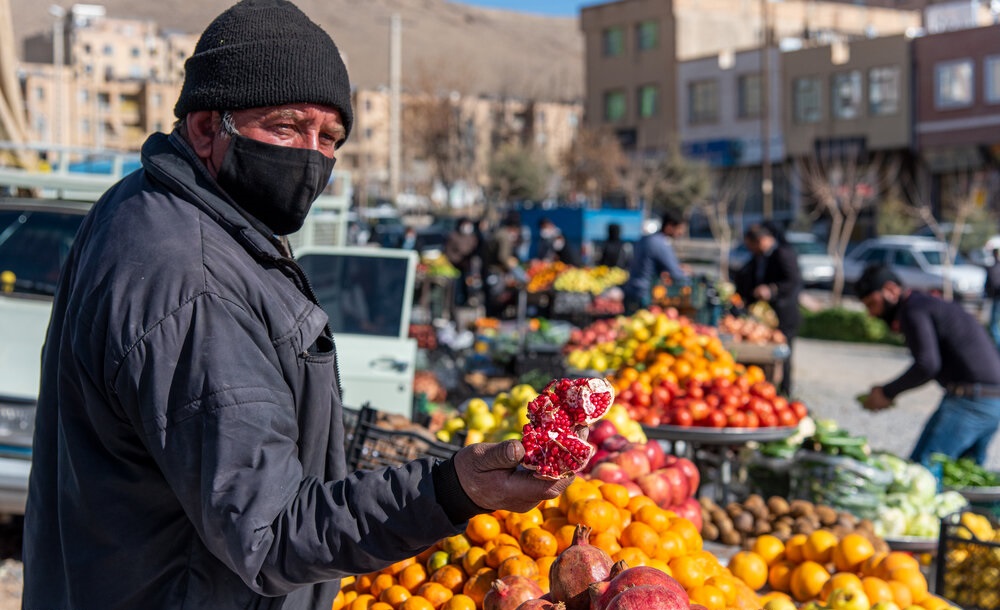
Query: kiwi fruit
[[730, 538], [777, 505], [709, 531], [799, 508], [826, 514], [744, 523]]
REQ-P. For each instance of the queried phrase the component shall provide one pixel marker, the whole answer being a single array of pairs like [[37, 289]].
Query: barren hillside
[[445, 44]]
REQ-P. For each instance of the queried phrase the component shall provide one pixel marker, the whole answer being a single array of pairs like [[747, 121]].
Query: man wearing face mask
[[949, 346], [189, 441]]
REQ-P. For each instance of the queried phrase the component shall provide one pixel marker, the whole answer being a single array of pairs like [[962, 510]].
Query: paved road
[[828, 375]]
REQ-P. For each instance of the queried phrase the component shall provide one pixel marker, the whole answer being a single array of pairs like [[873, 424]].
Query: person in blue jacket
[[653, 256], [189, 438]]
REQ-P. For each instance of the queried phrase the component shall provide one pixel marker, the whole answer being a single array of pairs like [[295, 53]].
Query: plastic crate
[[373, 446], [968, 571]]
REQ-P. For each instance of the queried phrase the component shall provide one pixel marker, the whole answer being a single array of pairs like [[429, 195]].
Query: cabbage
[[948, 502], [890, 522], [924, 526], [897, 466], [922, 483], [905, 503]]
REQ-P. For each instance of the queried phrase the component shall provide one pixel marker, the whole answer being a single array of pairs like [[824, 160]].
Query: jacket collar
[[168, 159]]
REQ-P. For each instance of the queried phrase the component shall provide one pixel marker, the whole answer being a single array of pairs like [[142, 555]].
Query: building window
[[85, 126], [748, 101], [135, 51], [991, 67], [845, 91], [83, 96], [109, 50], [647, 35], [39, 93], [103, 100], [883, 90], [703, 102], [649, 101], [86, 48], [157, 100], [369, 133], [614, 42], [614, 106], [806, 100], [953, 84]]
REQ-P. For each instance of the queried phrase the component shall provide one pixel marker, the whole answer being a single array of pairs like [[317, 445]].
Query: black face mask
[[276, 184]]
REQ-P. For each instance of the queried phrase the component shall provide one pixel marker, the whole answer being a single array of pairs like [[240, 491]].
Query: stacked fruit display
[[481, 422], [822, 570], [600, 331], [749, 330], [436, 265], [913, 506], [542, 274], [970, 568], [593, 280], [532, 555]]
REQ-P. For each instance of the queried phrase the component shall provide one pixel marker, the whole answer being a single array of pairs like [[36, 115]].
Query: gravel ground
[[827, 376]]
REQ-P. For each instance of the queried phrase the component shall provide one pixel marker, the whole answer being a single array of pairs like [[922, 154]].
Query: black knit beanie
[[261, 53]]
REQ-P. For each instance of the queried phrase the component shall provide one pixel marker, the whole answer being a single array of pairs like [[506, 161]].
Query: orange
[[654, 516], [380, 606], [637, 502], [398, 567], [552, 524], [497, 554], [412, 576], [537, 542], [750, 568], [364, 582], [501, 540], [688, 571], [708, 596], [900, 594], [459, 602], [564, 537], [642, 536], [436, 593], [598, 515], [482, 528], [381, 583], [607, 541], [473, 559], [394, 595], [544, 565], [709, 563], [896, 559], [794, 548], [779, 576], [914, 580], [841, 580], [659, 564], [688, 533], [770, 548], [870, 566], [876, 589], [451, 576], [362, 602], [933, 602], [415, 602], [852, 551], [338, 600], [616, 494], [727, 584], [440, 558], [632, 555], [518, 522], [478, 584], [579, 489], [670, 545], [819, 546], [456, 545], [807, 581], [522, 565]]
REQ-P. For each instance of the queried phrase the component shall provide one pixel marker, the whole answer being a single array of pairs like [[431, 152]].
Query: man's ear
[[202, 127]]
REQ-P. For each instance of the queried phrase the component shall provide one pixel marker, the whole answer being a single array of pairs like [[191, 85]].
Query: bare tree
[[668, 182], [724, 211], [844, 186], [594, 163]]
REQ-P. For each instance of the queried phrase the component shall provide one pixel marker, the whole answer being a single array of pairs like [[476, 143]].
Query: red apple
[[678, 483], [691, 473], [609, 472], [657, 488], [633, 488], [599, 456], [690, 509], [655, 453], [601, 430], [615, 442], [633, 461]]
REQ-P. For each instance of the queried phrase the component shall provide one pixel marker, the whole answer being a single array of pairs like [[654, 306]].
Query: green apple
[[848, 598], [884, 605], [780, 603]]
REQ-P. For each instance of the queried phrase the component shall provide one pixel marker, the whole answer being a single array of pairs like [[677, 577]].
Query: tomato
[[768, 420], [764, 390], [695, 391], [780, 403], [786, 417], [661, 396], [737, 419], [682, 417], [652, 418], [753, 420], [713, 400], [699, 409], [800, 409], [717, 419]]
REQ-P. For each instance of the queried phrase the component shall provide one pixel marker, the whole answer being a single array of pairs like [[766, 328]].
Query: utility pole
[[766, 183], [395, 70], [58, 61]]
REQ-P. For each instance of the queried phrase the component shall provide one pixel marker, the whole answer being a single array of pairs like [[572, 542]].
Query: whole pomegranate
[[541, 604], [648, 597], [635, 577], [511, 591], [554, 438], [576, 568]]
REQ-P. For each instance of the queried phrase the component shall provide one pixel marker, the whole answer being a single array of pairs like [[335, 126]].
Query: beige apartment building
[[633, 47]]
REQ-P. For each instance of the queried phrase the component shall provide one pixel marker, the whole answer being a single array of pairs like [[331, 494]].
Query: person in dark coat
[[189, 436], [772, 275], [461, 249], [616, 252], [992, 293]]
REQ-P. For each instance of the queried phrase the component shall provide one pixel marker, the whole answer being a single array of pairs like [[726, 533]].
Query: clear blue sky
[[560, 8]]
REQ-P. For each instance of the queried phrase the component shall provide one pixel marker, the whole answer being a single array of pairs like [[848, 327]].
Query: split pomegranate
[[648, 597], [511, 591], [576, 568], [554, 438]]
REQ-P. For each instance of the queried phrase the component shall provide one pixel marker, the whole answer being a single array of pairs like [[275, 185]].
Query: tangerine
[[669, 546], [870, 567], [779, 576], [474, 559], [598, 515], [726, 584], [841, 580], [688, 571], [434, 592], [544, 565], [362, 602], [876, 589], [914, 580], [381, 583], [518, 522], [819, 546], [770, 548], [616, 494], [399, 566], [807, 581], [900, 594], [852, 551], [688, 533], [394, 595], [642, 536], [794, 548], [632, 555], [564, 537], [749, 567], [896, 559], [637, 502], [455, 545], [497, 555], [579, 489], [479, 584], [552, 524], [413, 576], [415, 602], [537, 542], [482, 527], [607, 541], [338, 600], [459, 601], [380, 606], [519, 564], [654, 516], [451, 576], [364, 582], [708, 596]]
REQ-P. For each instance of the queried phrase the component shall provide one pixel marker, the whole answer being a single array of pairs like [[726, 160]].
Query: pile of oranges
[[456, 573], [810, 567]]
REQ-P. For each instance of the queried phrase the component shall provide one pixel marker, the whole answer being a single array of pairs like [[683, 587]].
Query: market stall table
[[705, 446], [768, 356]]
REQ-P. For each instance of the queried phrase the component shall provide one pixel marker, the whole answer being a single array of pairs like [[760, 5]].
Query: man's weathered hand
[[490, 476]]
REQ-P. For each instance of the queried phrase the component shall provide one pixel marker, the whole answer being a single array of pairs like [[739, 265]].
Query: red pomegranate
[[511, 591], [648, 597], [576, 568], [637, 577]]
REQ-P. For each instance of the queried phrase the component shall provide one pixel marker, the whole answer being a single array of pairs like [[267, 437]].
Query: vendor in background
[[565, 252], [992, 292], [500, 263], [548, 232], [654, 256], [949, 346], [615, 253], [461, 250]]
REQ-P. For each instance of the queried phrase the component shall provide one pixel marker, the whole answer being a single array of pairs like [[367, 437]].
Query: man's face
[[674, 230], [311, 126], [877, 302]]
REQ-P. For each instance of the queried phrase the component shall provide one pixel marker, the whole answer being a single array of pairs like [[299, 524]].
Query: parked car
[[35, 239], [919, 263]]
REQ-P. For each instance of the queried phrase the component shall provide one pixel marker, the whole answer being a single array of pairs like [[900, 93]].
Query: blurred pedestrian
[[654, 256], [548, 232], [772, 275], [565, 252], [992, 290], [500, 263], [461, 249], [949, 346], [615, 252]]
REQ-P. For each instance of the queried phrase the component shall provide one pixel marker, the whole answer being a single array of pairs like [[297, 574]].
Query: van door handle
[[389, 362]]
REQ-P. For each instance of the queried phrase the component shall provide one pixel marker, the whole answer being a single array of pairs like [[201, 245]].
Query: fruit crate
[[968, 571], [374, 446]]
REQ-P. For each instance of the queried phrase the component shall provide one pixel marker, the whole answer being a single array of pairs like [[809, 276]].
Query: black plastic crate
[[968, 571], [373, 446]]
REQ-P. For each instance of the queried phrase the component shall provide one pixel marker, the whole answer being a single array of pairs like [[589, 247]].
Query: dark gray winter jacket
[[188, 450]]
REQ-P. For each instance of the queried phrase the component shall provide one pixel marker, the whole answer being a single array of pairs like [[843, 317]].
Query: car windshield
[[809, 247], [33, 247]]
